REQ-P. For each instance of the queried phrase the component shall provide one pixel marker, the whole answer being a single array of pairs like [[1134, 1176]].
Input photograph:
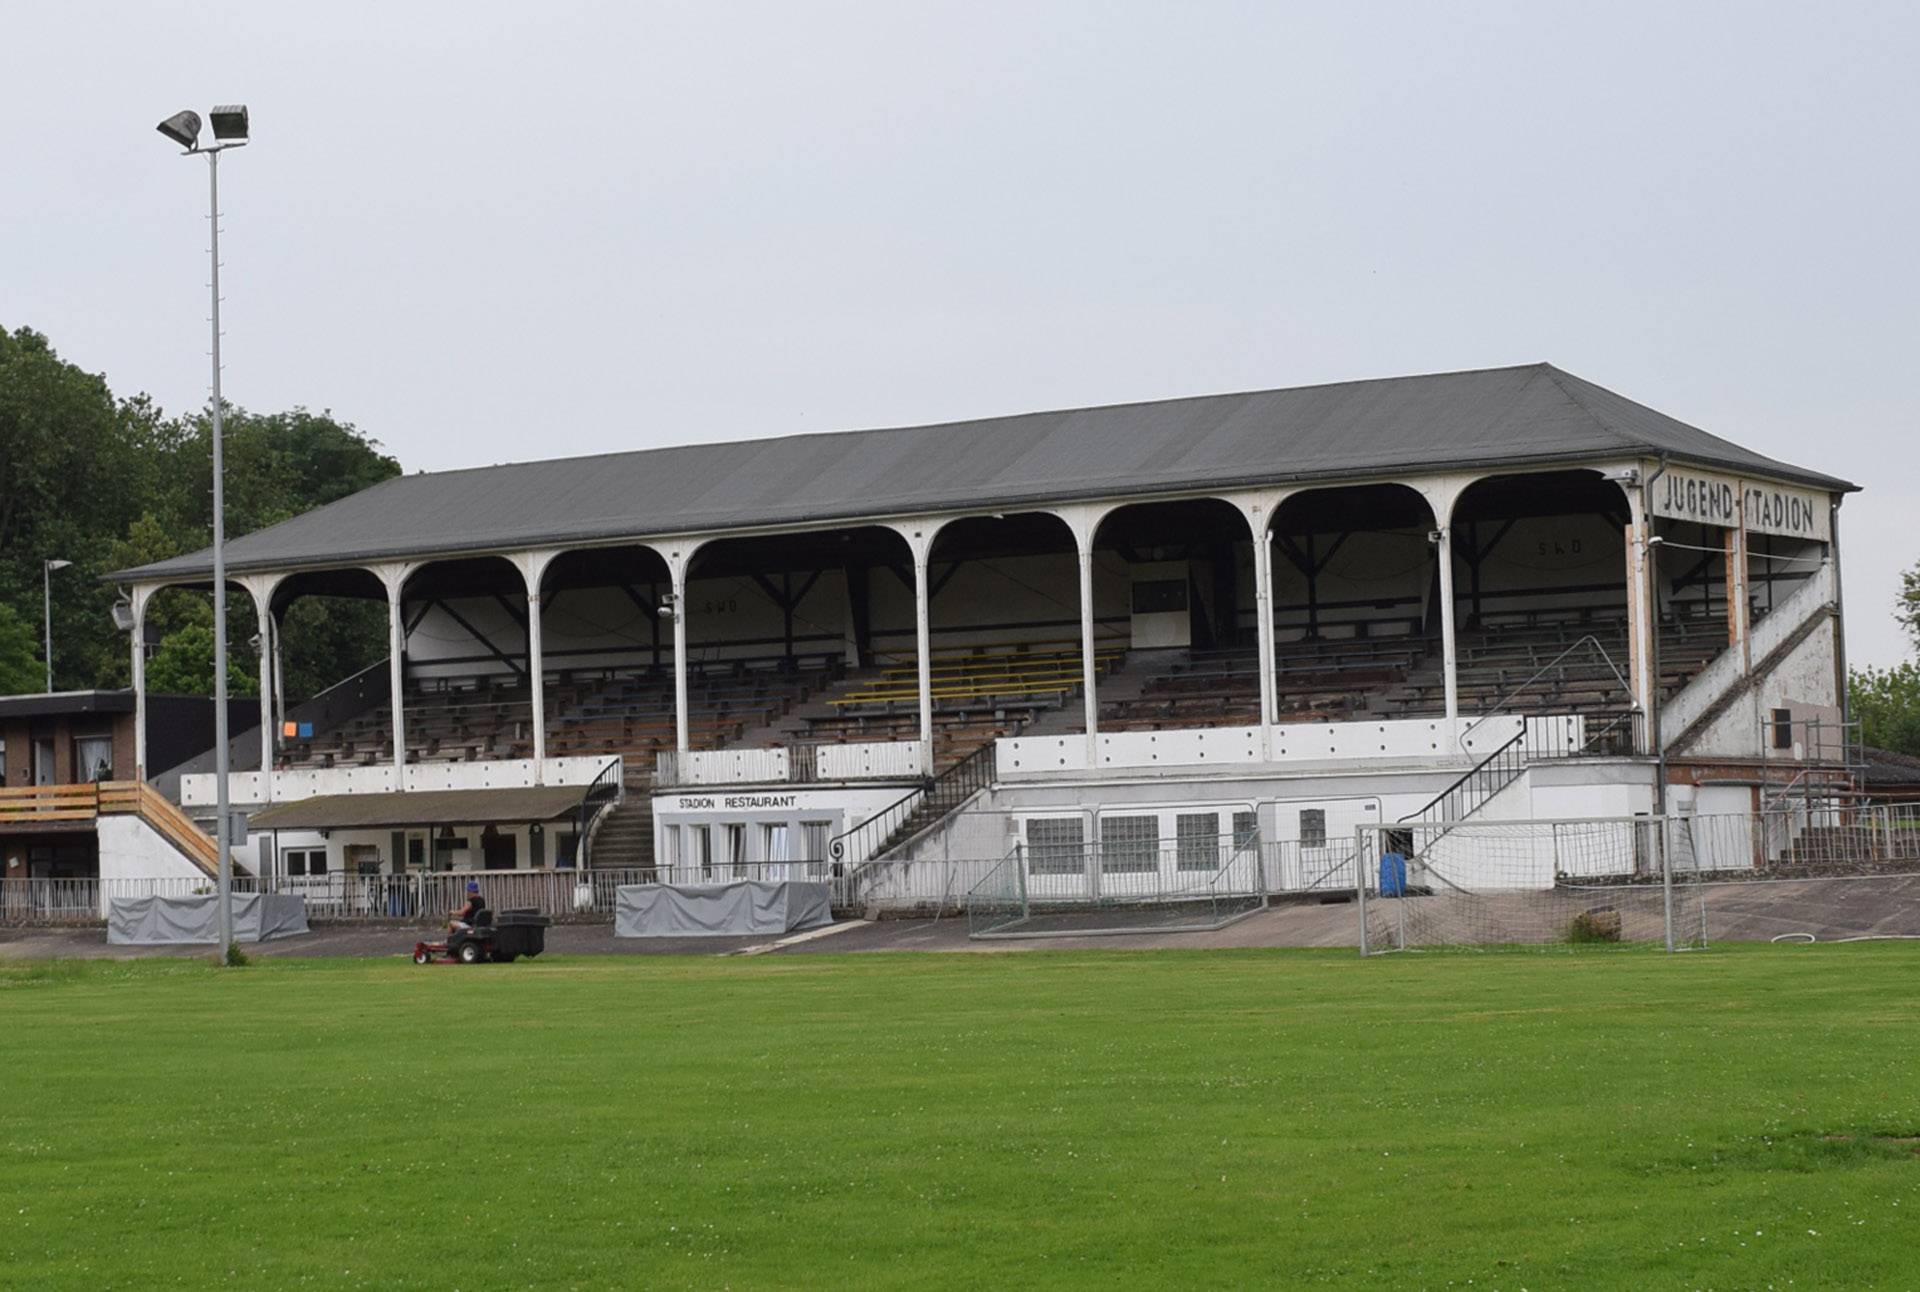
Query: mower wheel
[[422, 956], [470, 953]]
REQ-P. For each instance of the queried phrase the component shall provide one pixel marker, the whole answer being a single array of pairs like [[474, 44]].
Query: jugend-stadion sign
[[1727, 501]]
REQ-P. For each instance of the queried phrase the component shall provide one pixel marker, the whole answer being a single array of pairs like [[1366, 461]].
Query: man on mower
[[462, 919]]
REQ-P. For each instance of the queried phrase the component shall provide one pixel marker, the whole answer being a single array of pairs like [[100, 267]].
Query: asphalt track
[[1823, 910]]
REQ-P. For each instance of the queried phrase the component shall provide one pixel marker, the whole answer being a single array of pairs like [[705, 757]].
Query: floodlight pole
[[223, 824], [46, 610], [230, 131]]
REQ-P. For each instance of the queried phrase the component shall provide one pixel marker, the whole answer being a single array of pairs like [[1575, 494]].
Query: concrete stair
[[625, 836]]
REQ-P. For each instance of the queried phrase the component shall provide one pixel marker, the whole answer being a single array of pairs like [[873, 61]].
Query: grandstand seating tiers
[[982, 693]]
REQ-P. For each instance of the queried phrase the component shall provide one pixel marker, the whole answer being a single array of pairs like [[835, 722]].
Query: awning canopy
[[423, 808]]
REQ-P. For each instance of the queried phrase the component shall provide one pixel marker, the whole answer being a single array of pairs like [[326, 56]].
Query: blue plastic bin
[[1393, 875]]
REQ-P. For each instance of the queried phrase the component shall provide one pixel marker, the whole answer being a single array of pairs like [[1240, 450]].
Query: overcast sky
[[485, 233]]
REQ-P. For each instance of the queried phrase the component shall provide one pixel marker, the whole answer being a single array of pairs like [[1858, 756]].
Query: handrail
[[1476, 770], [587, 800], [960, 781], [1494, 710], [139, 798], [89, 800], [837, 846], [73, 802]]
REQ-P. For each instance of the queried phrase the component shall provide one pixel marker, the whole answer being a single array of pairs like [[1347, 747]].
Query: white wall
[[131, 849]]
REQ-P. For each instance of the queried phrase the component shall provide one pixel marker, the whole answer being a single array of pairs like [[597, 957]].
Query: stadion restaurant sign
[[1730, 502]]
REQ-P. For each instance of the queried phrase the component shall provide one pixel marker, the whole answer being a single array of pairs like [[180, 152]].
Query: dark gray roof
[[1497, 417], [423, 808]]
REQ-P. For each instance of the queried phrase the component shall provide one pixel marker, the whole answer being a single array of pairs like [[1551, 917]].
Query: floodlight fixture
[[229, 122], [183, 128]]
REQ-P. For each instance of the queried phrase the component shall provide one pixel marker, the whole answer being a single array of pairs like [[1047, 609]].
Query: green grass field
[[1728, 1119]]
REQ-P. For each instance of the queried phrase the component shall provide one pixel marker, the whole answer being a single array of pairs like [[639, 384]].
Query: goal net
[[1596, 881]]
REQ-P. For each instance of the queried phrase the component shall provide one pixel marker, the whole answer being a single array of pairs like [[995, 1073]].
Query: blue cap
[[472, 887]]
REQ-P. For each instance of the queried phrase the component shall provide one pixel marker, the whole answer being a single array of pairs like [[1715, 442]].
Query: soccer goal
[[1599, 880]]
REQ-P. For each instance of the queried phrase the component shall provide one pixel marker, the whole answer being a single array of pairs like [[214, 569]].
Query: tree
[[1886, 703], [71, 477], [110, 483], [20, 667], [183, 665], [1907, 606]]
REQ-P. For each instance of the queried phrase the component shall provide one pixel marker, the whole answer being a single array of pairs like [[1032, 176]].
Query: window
[[1129, 845], [734, 838], [700, 849], [670, 846], [1246, 831], [93, 758], [1055, 846], [1783, 728], [1197, 840], [773, 842], [813, 839], [306, 861], [1313, 827]]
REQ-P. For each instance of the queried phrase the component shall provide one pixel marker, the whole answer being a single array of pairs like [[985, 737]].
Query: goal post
[[1588, 881]]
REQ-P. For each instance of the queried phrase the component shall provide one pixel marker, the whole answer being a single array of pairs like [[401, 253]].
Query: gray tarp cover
[[256, 918], [716, 910]]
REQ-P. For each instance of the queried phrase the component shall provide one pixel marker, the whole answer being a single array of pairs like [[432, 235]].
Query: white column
[[1640, 617], [923, 637], [1084, 520], [1449, 655], [263, 621], [396, 683], [261, 588], [1259, 510], [139, 598], [1086, 650], [533, 568], [1737, 604], [679, 555], [683, 733], [1443, 494], [920, 535], [537, 680], [394, 576], [1263, 632]]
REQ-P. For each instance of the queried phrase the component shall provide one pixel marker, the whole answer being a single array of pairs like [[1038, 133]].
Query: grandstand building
[[1113, 643]]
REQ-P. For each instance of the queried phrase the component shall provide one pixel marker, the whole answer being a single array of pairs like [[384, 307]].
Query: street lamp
[[46, 591], [229, 131]]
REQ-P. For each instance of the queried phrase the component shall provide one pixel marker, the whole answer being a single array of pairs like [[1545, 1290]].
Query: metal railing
[[1163, 890], [872, 838], [1485, 779], [606, 790], [1613, 736], [83, 901]]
